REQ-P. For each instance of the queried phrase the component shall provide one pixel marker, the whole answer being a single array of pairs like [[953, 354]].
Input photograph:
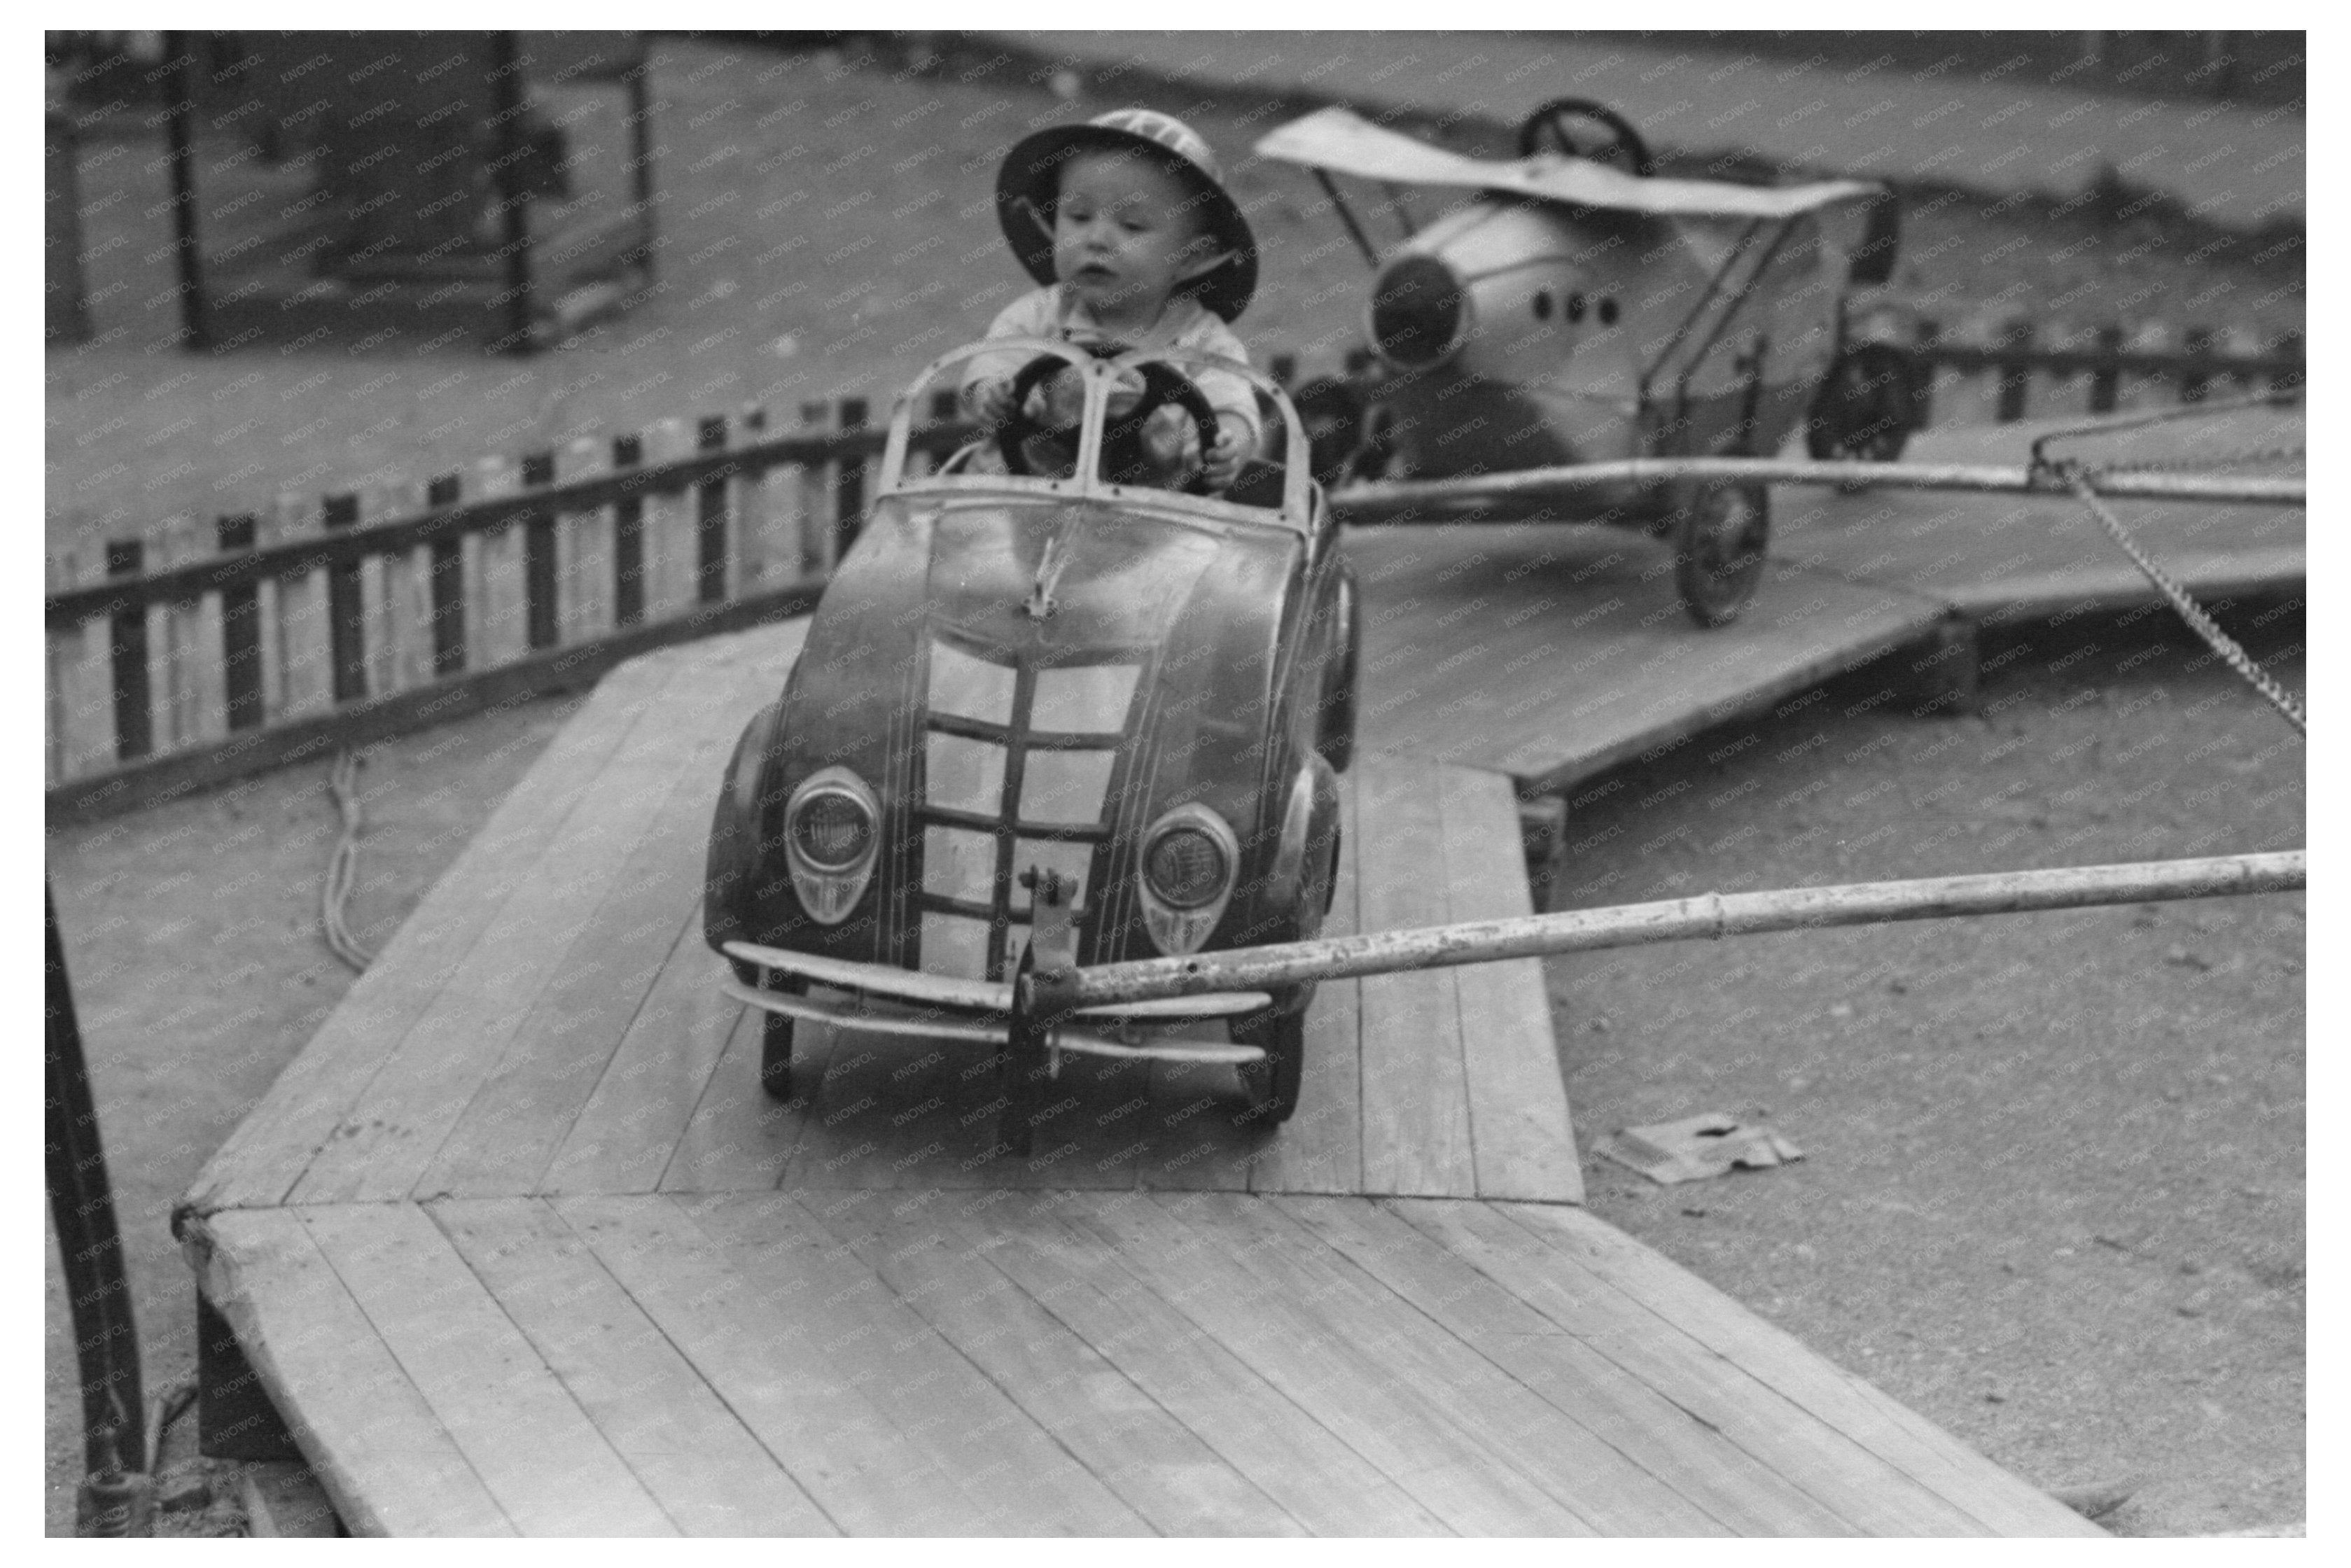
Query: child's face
[[1125, 235]]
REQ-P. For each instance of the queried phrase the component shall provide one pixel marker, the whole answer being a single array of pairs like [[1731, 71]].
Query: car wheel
[[1721, 534], [1272, 1083], [1335, 738], [775, 1056]]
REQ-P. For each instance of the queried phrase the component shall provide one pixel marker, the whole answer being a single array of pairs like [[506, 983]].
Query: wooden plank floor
[[962, 1362], [518, 1245], [1551, 652], [577, 1041], [1998, 558]]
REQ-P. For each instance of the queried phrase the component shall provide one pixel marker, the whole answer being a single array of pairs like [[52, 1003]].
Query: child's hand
[[1125, 393], [991, 400], [1060, 401], [1223, 464]]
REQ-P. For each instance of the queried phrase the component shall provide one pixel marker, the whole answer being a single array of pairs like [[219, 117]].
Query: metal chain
[[2140, 419], [2219, 641], [2198, 464]]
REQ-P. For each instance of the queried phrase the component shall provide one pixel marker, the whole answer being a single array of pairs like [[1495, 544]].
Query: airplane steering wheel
[[1555, 116], [1123, 440]]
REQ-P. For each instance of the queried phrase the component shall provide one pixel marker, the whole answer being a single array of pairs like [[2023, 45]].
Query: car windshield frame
[[1099, 378]]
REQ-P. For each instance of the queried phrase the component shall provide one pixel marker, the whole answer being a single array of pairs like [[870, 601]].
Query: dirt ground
[[2052, 1196], [826, 228]]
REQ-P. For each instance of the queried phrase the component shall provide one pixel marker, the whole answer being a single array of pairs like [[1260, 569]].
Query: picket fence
[[201, 651]]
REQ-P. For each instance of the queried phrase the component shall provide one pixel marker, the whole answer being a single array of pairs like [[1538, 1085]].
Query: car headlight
[[1189, 860], [832, 835]]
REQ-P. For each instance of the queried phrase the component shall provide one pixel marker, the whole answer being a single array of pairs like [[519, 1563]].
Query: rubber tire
[[1714, 586], [1335, 736], [1015, 1126], [1331, 412], [775, 1056], [1865, 408], [1273, 1084]]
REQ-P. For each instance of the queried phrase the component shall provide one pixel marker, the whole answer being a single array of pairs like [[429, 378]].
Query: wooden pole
[[1398, 500], [1712, 915], [641, 157], [180, 133], [507, 92]]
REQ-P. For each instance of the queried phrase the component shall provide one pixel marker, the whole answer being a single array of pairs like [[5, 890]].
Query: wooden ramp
[[1554, 651], [518, 1245], [2037, 558]]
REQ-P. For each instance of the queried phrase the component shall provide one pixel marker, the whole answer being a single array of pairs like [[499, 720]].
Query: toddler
[[1127, 222]]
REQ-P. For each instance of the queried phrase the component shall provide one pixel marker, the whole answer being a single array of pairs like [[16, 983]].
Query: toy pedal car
[[1041, 691], [1579, 308]]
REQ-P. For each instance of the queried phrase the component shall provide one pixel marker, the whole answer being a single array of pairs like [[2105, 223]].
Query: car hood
[[1138, 650]]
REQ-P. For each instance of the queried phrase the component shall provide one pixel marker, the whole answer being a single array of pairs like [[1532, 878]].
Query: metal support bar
[[1713, 914], [1398, 499], [1347, 217]]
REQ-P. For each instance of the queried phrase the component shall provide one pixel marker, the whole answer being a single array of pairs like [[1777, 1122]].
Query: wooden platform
[[518, 1245], [1061, 1363], [1552, 652], [2042, 558]]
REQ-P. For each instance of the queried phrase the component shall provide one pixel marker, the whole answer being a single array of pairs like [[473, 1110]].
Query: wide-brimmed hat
[[1030, 180]]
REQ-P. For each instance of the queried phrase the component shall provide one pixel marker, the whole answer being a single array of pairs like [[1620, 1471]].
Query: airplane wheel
[[1273, 1084], [1720, 537], [1865, 407], [1331, 413]]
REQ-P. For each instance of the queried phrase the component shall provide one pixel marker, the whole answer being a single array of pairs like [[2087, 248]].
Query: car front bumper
[[885, 999]]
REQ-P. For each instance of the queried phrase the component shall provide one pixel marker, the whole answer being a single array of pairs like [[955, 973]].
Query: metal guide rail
[[1051, 993], [1408, 500]]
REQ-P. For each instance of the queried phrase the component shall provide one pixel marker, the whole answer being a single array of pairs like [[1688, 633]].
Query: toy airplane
[[1576, 311]]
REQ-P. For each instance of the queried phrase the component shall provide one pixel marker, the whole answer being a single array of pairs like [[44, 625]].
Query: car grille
[[1017, 759]]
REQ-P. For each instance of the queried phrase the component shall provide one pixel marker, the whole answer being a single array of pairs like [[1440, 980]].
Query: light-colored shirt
[[1183, 324]]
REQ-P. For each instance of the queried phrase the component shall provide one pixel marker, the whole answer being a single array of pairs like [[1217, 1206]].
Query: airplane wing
[[1341, 140]]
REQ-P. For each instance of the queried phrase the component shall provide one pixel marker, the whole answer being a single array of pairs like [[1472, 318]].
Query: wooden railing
[[200, 652], [1989, 371], [206, 649], [1992, 371]]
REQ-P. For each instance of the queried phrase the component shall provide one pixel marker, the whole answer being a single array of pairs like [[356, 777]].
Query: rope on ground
[[344, 866], [2203, 625]]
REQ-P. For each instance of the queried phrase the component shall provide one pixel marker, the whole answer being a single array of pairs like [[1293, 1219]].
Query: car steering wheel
[[1163, 384], [1123, 440], [1554, 116], [1018, 429]]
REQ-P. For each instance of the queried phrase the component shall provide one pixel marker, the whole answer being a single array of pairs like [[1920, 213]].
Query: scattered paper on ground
[[1697, 1147]]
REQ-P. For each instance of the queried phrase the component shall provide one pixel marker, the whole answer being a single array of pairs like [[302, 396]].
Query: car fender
[[733, 855]]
